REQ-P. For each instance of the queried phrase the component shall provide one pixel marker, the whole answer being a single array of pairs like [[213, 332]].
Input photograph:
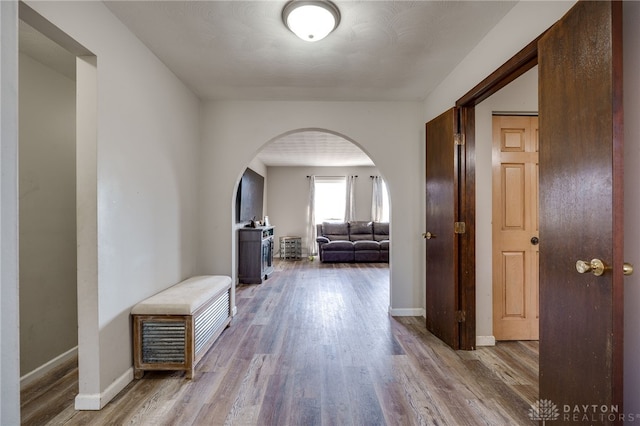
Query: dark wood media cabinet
[[255, 254]]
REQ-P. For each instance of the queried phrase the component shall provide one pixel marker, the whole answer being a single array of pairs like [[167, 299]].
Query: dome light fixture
[[311, 20]]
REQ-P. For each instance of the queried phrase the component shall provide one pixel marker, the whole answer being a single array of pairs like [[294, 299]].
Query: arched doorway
[[288, 161]]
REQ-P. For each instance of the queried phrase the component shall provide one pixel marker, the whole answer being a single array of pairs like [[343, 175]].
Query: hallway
[[314, 345]]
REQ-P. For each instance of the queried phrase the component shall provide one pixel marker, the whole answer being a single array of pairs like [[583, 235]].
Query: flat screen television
[[250, 196]]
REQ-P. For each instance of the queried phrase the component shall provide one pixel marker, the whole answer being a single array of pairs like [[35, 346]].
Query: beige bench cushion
[[183, 298]]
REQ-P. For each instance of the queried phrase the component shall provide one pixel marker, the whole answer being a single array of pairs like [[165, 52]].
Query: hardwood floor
[[314, 345]]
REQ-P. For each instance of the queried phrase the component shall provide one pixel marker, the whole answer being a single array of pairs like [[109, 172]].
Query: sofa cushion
[[338, 246], [336, 231], [380, 231], [366, 245], [338, 256], [384, 245], [366, 256], [360, 231]]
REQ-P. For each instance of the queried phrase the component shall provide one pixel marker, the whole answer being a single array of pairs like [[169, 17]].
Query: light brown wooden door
[[515, 228], [581, 138], [441, 241]]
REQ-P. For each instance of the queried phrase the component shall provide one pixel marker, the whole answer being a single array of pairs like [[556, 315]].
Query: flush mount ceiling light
[[311, 20]]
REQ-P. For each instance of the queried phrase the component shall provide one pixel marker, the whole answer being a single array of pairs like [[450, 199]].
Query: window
[[330, 196]]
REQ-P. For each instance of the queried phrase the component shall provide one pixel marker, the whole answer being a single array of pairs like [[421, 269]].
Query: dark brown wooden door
[[580, 62], [441, 213]]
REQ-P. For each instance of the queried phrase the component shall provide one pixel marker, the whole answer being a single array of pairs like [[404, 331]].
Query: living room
[[287, 190]]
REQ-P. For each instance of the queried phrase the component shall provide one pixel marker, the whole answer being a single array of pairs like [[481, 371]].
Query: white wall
[[9, 318], [519, 96], [47, 185], [147, 186], [632, 205], [288, 191], [389, 132], [526, 21]]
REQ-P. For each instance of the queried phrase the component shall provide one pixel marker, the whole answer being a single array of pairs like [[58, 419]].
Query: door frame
[[520, 63], [86, 204]]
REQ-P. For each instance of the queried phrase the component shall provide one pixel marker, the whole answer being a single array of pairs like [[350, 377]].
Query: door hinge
[[459, 228], [458, 139], [461, 316]]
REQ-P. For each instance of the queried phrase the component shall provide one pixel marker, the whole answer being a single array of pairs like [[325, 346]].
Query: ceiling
[[381, 51], [241, 50], [313, 148]]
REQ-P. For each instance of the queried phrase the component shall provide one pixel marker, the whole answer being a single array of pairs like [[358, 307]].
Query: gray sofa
[[353, 241]]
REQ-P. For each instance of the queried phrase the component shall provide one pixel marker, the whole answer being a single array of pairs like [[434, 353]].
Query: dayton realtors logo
[[546, 410], [543, 410]]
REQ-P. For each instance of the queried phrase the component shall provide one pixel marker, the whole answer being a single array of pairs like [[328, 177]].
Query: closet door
[[442, 296]]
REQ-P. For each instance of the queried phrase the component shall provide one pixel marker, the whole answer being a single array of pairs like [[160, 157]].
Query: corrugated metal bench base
[[178, 342]]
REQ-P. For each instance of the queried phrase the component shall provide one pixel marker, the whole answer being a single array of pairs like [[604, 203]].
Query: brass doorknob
[[428, 235], [596, 267]]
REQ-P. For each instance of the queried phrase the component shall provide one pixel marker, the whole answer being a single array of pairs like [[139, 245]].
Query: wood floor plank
[[248, 402], [60, 394], [48, 383], [418, 395], [198, 392], [315, 345]]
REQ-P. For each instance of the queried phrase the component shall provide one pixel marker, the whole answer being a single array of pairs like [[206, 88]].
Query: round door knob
[[535, 241], [596, 267], [428, 235]]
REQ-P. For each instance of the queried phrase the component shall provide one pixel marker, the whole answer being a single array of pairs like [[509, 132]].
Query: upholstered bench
[[173, 329]]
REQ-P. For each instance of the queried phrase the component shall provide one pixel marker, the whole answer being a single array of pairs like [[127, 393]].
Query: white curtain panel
[[311, 219], [376, 198], [350, 204]]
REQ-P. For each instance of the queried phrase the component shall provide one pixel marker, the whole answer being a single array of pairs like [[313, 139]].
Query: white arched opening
[[234, 133], [286, 161]]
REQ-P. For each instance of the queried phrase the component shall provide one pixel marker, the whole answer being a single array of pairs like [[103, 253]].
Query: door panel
[[514, 273], [515, 223], [580, 86], [441, 213]]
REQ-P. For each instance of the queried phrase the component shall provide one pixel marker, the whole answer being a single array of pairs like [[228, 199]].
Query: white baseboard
[[234, 311], [485, 341], [87, 401], [42, 371], [408, 312], [96, 401]]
